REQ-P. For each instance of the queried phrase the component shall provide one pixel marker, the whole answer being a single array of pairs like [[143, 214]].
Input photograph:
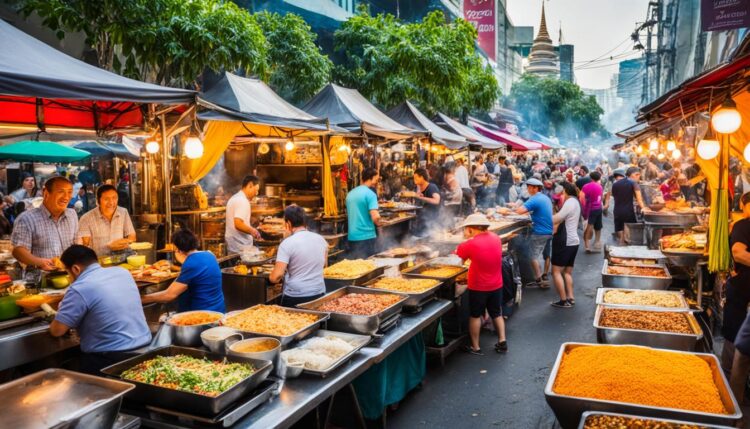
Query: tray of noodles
[[284, 324], [350, 272]]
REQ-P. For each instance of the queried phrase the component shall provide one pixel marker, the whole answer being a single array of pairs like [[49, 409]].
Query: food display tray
[[683, 257], [355, 323], [333, 284], [359, 340], [664, 422], [656, 339], [283, 339], [64, 399], [635, 282], [634, 252], [189, 402], [670, 218], [416, 271], [415, 299], [603, 290], [568, 409]]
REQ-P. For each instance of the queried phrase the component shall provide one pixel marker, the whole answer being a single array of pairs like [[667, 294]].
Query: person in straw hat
[[485, 251]]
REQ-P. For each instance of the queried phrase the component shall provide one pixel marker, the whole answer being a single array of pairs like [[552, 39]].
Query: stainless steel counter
[[301, 395], [31, 342]]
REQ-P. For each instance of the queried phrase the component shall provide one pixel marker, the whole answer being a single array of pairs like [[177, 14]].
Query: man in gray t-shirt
[[300, 261]]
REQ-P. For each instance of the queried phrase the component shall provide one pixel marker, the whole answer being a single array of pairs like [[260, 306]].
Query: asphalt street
[[507, 390]]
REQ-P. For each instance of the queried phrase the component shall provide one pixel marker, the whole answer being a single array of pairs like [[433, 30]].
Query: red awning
[[514, 142]]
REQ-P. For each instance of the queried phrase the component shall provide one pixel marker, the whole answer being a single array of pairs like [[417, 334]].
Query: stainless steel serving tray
[[683, 257], [358, 340], [415, 299], [634, 252], [635, 282], [603, 290], [568, 409], [416, 270], [656, 339], [58, 398], [676, 423], [355, 323], [284, 339], [670, 218], [333, 283], [189, 402]]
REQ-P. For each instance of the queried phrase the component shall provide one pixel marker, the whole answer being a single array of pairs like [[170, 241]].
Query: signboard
[[717, 15], [481, 14]]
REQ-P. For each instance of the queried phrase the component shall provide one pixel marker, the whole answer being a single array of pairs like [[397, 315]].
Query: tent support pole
[[167, 184]]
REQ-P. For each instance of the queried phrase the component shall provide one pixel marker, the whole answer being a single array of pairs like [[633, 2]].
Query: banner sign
[[481, 14], [717, 15]]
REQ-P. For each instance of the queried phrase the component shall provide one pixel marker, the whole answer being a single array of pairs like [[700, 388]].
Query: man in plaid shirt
[[43, 233]]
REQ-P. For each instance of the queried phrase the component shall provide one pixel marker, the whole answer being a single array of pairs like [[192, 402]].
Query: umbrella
[[106, 150], [41, 151]]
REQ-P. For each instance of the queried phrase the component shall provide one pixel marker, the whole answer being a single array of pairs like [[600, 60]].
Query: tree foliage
[[552, 106], [298, 68], [433, 63]]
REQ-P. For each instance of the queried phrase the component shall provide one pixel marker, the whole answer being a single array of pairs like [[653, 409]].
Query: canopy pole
[[167, 184]]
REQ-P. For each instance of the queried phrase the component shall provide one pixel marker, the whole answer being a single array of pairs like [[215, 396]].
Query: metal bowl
[[215, 338], [271, 354], [190, 335]]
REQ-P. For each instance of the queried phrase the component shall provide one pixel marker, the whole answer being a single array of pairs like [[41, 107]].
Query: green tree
[[552, 106], [164, 41], [298, 68], [433, 63]]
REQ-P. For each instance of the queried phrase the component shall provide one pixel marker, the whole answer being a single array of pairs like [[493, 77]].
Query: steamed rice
[[318, 353]]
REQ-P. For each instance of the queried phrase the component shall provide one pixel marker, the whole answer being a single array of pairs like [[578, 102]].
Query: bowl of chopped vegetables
[[190, 380]]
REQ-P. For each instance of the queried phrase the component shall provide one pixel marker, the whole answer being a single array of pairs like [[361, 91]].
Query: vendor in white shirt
[[108, 227], [462, 177], [239, 232]]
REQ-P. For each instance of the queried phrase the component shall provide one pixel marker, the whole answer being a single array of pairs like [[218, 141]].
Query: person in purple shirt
[[591, 202]]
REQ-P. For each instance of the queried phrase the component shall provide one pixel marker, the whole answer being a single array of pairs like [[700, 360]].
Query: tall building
[[543, 60], [567, 61], [630, 80]]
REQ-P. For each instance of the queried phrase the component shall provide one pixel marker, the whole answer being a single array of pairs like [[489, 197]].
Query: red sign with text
[[481, 14]]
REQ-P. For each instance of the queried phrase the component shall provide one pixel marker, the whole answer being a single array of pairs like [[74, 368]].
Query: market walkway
[[508, 390]]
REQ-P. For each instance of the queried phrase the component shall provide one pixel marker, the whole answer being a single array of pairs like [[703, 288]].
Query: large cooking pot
[[213, 227], [190, 335], [274, 189]]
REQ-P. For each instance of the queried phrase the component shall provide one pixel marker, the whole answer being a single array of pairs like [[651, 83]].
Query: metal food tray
[[189, 402], [405, 208], [683, 257], [283, 339], [635, 282], [416, 270], [656, 339], [333, 283], [675, 423], [568, 409], [634, 252], [603, 290], [671, 218], [415, 299], [361, 341], [64, 399], [355, 323]]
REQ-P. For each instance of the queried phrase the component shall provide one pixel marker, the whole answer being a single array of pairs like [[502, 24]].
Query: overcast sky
[[593, 26]]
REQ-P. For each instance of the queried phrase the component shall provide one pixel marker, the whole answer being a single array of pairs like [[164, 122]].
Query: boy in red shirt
[[485, 251]]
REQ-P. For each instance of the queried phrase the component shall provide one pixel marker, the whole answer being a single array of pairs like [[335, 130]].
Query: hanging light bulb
[[660, 157], [747, 152], [676, 154], [152, 146], [708, 147], [289, 145], [193, 147], [263, 148], [639, 149], [653, 144], [671, 146], [727, 119]]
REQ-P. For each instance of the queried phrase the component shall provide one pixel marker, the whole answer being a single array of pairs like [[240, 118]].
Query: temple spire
[[543, 59], [543, 25]]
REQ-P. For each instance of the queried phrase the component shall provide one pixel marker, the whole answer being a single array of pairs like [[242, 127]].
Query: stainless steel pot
[[190, 335], [216, 338], [274, 189], [272, 354]]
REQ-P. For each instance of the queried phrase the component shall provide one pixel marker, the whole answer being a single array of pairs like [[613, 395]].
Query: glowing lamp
[[263, 148], [671, 146], [639, 149], [653, 144], [289, 145], [708, 148], [152, 146], [676, 154], [193, 148], [660, 157], [727, 119], [747, 152]]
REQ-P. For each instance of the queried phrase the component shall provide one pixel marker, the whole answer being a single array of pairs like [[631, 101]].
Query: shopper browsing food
[[363, 216], [591, 201], [108, 227], [198, 286], [104, 306], [565, 244], [300, 261], [238, 231], [626, 193], [485, 281], [43, 233]]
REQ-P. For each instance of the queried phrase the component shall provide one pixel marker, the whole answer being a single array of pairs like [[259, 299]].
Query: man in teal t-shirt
[[363, 216]]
